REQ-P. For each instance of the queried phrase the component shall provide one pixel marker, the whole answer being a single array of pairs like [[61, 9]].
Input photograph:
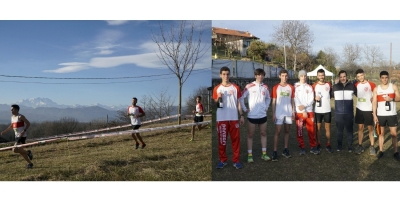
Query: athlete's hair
[[134, 98], [359, 71], [383, 73], [342, 71], [224, 68], [321, 71], [198, 97], [15, 106], [259, 71], [283, 71]]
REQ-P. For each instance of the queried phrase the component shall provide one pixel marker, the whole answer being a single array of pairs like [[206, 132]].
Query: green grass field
[[338, 166], [168, 156]]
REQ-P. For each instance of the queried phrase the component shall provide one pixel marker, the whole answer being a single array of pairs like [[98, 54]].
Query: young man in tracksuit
[[303, 100], [343, 92], [227, 118]]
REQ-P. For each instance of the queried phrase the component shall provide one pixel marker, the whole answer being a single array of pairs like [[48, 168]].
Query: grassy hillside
[[168, 156]]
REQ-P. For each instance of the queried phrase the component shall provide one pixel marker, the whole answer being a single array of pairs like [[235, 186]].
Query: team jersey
[[303, 95], [324, 91], [230, 96], [258, 100], [364, 95], [18, 125], [381, 94], [199, 109], [132, 112], [283, 102]]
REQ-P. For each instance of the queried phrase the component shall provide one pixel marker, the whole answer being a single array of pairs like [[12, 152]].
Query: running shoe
[[339, 148], [372, 150], [137, 146], [143, 145], [29, 166], [238, 165], [286, 153], [329, 149], [274, 156], [380, 154], [359, 149], [30, 156], [221, 165], [302, 151], [350, 149], [314, 150], [396, 156], [191, 139], [250, 159], [319, 148], [265, 157]]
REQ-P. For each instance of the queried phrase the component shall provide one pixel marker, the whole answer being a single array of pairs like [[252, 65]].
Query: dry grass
[[168, 156], [338, 166]]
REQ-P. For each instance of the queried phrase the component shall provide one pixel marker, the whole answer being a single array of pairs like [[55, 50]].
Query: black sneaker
[[314, 150], [286, 153], [339, 148], [143, 146], [329, 149], [319, 148], [137, 145], [379, 155], [350, 149], [396, 156], [30, 156], [29, 166], [274, 156]]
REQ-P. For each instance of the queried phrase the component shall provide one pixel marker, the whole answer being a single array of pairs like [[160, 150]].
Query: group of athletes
[[20, 124], [305, 105]]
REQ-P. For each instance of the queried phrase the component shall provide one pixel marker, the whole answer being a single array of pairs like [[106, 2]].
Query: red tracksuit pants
[[309, 122], [223, 129]]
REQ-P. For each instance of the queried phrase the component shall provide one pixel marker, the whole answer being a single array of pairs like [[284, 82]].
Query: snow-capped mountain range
[[48, 103]]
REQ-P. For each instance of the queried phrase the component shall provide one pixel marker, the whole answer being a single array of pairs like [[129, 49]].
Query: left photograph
[[105, 100]]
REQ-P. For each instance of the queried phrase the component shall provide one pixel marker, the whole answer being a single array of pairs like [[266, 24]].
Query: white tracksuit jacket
[[303, 95], [258, 100]]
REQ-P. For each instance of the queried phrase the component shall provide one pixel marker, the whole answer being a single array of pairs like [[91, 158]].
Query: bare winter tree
[[373, 55], [161, 104], [351, 54], [180, 47], [297, 34]]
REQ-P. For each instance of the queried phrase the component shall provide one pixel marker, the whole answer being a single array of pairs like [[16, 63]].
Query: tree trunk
[[180, 102]]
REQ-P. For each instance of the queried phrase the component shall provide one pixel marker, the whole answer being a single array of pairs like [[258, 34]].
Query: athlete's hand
[[301, 107], [247, 111], [241, 120], [305, 115], [193, 111], [376, 119]]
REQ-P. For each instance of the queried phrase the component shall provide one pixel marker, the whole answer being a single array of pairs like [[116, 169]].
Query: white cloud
[[105, 52], [116, 22], [69, 67], [149, 60]]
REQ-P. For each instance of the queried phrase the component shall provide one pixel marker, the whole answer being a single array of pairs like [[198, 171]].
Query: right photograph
[[309, 100]]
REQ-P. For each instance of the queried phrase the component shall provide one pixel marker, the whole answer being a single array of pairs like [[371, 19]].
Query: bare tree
[[332, 58], [351, 55], [180, 47], [161, 104], [372, 54], [297, 34]]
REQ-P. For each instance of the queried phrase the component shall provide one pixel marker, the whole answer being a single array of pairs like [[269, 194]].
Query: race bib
[[284, 94], [362, 100]]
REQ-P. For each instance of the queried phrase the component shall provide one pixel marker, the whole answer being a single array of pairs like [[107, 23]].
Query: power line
[[98, 78], [133, 81]]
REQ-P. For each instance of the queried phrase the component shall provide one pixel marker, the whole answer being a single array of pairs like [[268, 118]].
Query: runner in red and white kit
[[135, 112], [303, 100], [227, 118], [258, 101], [386, 116], [323, 94], [20, 125], [198, 116], [364, 111], [282, 111]]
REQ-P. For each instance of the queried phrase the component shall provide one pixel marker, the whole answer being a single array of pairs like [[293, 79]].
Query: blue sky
[[89, 49], [332, 33]]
